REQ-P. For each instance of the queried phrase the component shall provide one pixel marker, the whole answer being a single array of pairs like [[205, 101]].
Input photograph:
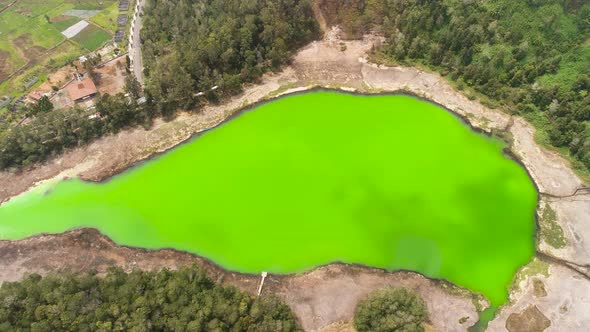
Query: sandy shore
[[323, 63]]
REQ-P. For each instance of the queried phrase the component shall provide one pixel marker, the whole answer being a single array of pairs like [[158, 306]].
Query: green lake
[[386, 181]]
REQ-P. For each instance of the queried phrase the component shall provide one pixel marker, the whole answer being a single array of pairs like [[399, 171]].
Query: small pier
[[264, 274]]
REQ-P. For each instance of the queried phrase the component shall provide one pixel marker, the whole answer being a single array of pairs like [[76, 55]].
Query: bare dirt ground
[[325, 296], [330, 294], [58, 78], [573, 214], [343, 64], [112, 77], [564, 303], [551, 173], [433, 87], [24, 48]]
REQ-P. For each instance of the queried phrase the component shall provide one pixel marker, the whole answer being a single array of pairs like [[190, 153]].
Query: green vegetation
[[183, 300], [42, 106], [535, 267], [92, 37], [107, 19], [48, 133], [63, 22], [530, 56], [197, 44], [550, 231], [391, 310]]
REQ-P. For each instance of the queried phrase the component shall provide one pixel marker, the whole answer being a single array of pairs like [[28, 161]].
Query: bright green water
[[386, 181]]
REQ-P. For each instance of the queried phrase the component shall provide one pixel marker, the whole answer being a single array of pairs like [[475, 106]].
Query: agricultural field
[[33, 41], [92, 37], [107, 19]]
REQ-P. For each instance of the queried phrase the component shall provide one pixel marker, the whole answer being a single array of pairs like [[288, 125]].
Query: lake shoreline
[[323, 64], [87, 248]]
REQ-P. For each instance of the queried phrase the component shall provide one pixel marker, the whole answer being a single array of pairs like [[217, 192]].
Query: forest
[[190, 46], [183, 300], [531, 57]]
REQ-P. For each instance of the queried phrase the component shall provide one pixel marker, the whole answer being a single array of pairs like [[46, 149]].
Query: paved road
[[137, 60]]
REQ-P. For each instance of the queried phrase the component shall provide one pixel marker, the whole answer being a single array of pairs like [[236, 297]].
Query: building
[[122, 19], [123, 5], [34, 97], [30, 82], [119, 36], [81, 90], [4, 101]]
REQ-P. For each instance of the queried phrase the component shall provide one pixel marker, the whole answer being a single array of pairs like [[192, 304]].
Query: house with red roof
[[80, 90]]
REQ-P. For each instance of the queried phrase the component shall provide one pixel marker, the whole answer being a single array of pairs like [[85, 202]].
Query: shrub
[[391, 310]]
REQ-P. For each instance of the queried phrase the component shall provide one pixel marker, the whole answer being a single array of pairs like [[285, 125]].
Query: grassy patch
[[55, 59], [283, 88], [535, 267], [64, 54], [550, 231], [89, 4], [574, 64], [63, 22], [92, 37], [107, 19]]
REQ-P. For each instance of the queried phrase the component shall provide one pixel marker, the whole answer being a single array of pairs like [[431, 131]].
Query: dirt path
[[319, 16], [327, 63], [551, 173], [9, 5]]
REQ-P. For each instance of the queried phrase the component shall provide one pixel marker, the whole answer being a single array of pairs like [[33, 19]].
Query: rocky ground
[[327, 302]]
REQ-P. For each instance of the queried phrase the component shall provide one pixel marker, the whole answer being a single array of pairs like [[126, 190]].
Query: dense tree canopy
[[391, 310], [191, 46], [532, 56], [49, 132], [184, 300]]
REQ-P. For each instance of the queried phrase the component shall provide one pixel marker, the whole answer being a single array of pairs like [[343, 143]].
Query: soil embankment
[[340, 64]]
